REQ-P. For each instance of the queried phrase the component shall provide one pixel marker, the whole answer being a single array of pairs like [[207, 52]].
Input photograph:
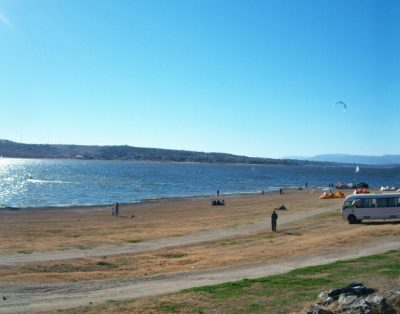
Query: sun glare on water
[[12, 179]]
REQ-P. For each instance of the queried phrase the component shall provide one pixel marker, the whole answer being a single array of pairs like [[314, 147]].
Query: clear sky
[[256, 78]]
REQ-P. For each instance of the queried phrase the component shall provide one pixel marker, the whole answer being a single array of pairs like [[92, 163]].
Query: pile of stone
[[355, 298]]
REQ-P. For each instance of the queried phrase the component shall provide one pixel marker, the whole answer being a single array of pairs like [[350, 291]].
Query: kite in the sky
[[341, 103]]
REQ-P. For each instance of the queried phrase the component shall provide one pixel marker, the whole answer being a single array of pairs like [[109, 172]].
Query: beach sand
[[171, 236], [42, 229]]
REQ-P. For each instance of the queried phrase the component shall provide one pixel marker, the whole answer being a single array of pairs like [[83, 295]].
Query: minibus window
[[391, 202], [347, 204], [356, 203], [365, 202], [382, 202]]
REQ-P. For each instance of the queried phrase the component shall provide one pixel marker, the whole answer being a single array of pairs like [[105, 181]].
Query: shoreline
[[143, 201], [94, 207]]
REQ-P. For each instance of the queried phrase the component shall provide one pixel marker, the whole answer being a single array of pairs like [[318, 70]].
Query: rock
[[4, 298], [353, 304], [386, 302], [323, 295], [392, 301], [375, 299], [378, 303], [345, 300], [317, 310]]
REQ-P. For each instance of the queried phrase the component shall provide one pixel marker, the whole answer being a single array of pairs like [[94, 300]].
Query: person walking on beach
[[116, 209], [274, 218]]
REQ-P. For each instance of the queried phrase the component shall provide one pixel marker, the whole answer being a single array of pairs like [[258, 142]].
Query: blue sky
[[256, 78]]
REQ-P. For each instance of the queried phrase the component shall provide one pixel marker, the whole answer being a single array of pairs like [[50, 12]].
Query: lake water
[[35, 183]]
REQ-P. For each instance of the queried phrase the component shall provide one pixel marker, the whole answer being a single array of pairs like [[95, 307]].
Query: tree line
[[124, 152]]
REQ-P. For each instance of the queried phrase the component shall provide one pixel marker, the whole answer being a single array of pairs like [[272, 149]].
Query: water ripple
[[32, 183]]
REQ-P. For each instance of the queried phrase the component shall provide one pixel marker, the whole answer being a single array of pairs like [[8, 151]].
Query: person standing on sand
[[116, 209], [274, 218]]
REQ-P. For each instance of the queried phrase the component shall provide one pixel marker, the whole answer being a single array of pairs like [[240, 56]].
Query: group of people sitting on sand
[[218, 203]]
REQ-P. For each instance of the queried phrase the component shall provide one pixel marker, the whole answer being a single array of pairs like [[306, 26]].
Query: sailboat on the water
[[357, 169]]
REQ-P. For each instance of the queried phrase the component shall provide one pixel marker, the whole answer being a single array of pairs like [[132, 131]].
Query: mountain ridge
[[124, 152], [387, 159]]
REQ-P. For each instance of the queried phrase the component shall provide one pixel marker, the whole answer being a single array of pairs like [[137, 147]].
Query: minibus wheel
[[352, 219]]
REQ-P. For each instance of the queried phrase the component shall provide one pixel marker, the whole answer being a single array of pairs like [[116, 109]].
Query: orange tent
[[327, 196], [339, 194]]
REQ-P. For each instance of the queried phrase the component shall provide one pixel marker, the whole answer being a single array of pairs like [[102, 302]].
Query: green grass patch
[[24, 252], [254, 306], [283, 293], [134, 241], [107, 264], [174, 255], [286, 292], [169, 307]]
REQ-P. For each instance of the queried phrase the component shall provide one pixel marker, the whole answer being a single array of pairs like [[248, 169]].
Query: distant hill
[[354, 159], [20, 150]]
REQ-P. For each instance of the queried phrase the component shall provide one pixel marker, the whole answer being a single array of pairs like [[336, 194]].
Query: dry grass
[[59, 229], [307, 237]]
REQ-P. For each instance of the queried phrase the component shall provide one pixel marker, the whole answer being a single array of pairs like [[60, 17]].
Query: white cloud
[[4, 20]]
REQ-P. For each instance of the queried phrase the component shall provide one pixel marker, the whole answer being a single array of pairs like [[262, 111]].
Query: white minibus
[[358, 207]]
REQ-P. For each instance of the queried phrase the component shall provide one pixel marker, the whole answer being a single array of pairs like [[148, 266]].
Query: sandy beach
[[168, 239]]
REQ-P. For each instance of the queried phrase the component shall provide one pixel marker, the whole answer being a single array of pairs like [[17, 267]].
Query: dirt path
[[210, 235], [26, 297]]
